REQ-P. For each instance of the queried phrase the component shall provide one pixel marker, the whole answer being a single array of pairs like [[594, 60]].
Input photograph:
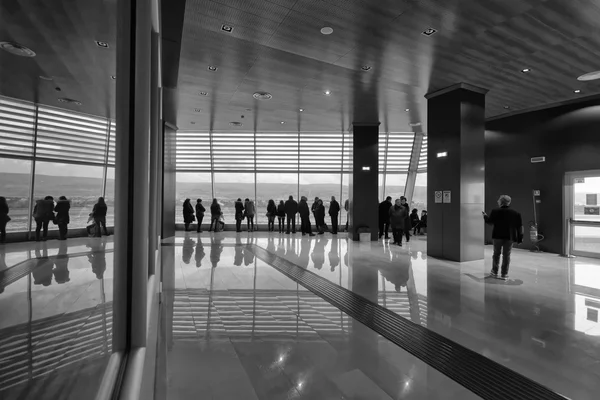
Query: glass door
[[582, 206]]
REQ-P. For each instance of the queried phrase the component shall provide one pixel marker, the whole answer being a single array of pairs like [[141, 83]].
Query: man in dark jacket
[[304, 217], [384, 217], [291, 209], [200, 210], [508, 228], [334, 212], [62, 216]]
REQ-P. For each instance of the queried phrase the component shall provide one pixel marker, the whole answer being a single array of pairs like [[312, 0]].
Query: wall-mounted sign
[[591, 199], [447, 196], [536, 193], [578, 180], [538, 159], [438, 196], [591, 210]]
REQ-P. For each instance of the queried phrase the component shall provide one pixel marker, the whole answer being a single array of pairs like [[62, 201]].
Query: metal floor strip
[[482, 376]]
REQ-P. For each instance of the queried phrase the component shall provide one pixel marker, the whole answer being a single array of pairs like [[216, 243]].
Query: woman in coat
[[215, 213], [62, 216], [271, 213], [281, 215], [408, 226], [320, 215], [239, 214], [188, 214], [43, 213], [200, 210], [415, 222], [398, 221], [99, 213], [4, 218], [250, 213]]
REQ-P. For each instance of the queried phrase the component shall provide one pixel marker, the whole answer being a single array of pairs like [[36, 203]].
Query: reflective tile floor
[[234, 325], [55, 317]]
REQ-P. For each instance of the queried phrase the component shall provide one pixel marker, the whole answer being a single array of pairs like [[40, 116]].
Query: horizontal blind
[[277, 152], [233, 151], [67, 136], [111, 143], [382, 146], [399, 150], [193, 151], [423, 157], [347, 154], [320, 152], [17, 127]]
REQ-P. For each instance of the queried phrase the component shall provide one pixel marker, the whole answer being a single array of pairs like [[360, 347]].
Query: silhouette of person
[[97, 258], [188, 249], [304, 256], [248, 256], [280, 247], [271, 245], [334, 256], [42, 268], [238, 258], [216, 248], [318, 255], [199, 253], [290, 250], [397, 272], [61, 264]]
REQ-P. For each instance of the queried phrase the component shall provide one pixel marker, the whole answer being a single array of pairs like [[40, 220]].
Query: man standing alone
[[508, 228], [384, 217], [334, 212], [304, 217], [291, 209]]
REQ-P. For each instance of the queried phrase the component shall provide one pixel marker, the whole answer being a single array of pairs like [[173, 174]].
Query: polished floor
[[250, 329], [55, 317]]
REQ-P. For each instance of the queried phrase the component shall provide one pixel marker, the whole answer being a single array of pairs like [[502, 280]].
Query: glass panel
[[586, 239], [419, 200], [109, 195], [82, 184], [228, 188], [423, 157], [17, 120], [345, 195], [381, 191], [323, 186], [395, 185], [587, 199], [14, 185], [193, 186], [274, 186]]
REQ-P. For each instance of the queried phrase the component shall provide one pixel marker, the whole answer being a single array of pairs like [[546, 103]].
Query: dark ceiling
[[276, 46]]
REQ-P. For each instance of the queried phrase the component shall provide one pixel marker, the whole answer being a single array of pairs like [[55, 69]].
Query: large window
[[322, 186], [419, 200], [228, 188], [193, 186], [274, 186], [14, 185], [109, 195], [395, 185]]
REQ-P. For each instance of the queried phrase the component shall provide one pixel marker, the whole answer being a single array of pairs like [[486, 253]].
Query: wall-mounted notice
[[536, 192], [438, 196], [447, 196], [578, 180]]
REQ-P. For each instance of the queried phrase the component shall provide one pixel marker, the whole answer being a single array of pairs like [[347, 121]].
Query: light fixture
[[302, 109], [203, 94], [113, 77], [407, 110], [590, 76], [442, 154], [366, 168], [248, 109], [429, 31], [197, 109], [63, 100], [262, 96], [193, 123], [57, 89], [366, 67], [67, 100], [577, 91], [235, 123], [327, 92], [17, 49], [212, 68], [327, 30], [413, 124], [507, 107], [282, 122], [104, 45], [46, 78], [227, 28], [526, 70]]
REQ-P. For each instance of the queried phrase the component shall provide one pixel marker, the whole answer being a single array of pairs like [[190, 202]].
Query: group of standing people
[[398, 217], [44, 213]]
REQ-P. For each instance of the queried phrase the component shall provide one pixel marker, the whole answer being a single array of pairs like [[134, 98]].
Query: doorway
[[582, 209]]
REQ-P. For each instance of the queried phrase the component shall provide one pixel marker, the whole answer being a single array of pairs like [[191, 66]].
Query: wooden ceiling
[[276, 46]]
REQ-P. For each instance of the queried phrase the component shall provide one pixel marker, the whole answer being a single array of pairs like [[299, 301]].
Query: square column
[[364, 180], [456, 127]]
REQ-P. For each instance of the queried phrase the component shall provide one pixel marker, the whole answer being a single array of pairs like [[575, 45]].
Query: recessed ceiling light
[[507, 107], [227, 28], [366, 67], [104, 45], [193, 123], [57, 89], [17, 49], [212, 68], [302, 109], [525, 70], [407, 110], [429, 31], [197, 109], [327, 92], [67, 100], [590, 76], [577, 91], [113, 77], [77, 103], [262, 96], [235, 123], [203, 94], [327, 30], [46, 78], [63, 100], [282, 122]]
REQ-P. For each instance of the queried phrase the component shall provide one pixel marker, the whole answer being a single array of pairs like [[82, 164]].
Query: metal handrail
[[584, 223]]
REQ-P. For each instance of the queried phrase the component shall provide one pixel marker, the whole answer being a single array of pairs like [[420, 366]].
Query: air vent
[[227, 28], [67, 100], [104, 45], [429, 31], [538, 159], [262, 96], [17, 49], [235, 123]]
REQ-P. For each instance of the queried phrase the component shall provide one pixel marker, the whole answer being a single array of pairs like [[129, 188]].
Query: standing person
[[313, 207], [100, 209], [271, 213], [291, 209], [408, 227], [281, 215], [250, 213], [200, 210], [304, 217], [384, 217], [423, 224], [415, 221], [43, 213], [188, 214], [4, 218], [215, 213], [347, 208], [62, 216], [239, 214], [334, 212], [398, 218], [508, 228], [320, 216]]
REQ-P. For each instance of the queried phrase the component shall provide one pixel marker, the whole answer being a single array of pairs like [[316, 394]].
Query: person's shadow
[[188, 249], [490, 280], [334, 256], [397, 272], [97, 259], [216, 248], [318, 255], [61, 264], [42, 269], [200, 254]]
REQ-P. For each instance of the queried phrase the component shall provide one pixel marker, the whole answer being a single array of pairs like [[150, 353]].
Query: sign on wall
[[447, 196], [438, 196], [591, 210]]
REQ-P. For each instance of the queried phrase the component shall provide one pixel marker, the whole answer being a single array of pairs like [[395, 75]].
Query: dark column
[[169, 185], [364, 183], [456, 125]]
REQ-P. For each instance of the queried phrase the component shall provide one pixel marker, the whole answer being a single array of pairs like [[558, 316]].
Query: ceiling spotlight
[[526, 70], [197, 109], [262, 96], [235, 123], [407, 110], [590, 76], [366, 67], [302, 109], [203, 94], [326, 30], [67, 100], [63, 100], [282, 122], [227, 28], [17, 49], [327, 92], [113, 77], [57, 89], [212, 68], [193, 123], [577, 91], [429, 31], [507, 107], [78, 103], [104, 45]]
